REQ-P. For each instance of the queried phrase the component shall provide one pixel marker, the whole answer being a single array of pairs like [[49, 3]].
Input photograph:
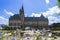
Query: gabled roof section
[[42, 18], [15, 17], [35, 19]]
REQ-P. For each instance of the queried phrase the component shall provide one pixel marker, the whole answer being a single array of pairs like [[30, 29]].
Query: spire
[[22, 7], [42, 16]]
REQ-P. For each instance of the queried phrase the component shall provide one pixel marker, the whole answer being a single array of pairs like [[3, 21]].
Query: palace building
[[19, 20]]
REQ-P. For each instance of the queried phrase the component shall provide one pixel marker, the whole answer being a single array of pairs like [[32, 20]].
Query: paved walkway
[[30, 38]]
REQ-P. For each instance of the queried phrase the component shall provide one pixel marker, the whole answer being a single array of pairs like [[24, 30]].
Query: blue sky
[[35, 8]]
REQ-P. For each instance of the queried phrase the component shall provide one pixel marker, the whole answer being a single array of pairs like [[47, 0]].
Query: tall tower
[[21, 12]]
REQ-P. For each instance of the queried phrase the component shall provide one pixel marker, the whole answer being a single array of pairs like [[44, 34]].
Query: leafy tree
[[5, 27], [58, 2]]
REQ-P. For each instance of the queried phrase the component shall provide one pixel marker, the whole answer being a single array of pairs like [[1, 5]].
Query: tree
[[5, 27], [58, 2]]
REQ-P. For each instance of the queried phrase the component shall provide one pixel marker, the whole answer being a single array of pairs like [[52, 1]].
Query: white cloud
[[53, 19], [50, 14], [51, 11], [47, 1], [3, 20], [35, 15], [47, 13], [8, 12], [54, 9]]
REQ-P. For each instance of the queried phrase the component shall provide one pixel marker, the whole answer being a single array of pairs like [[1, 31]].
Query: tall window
[[10, 24], [18, 24], [14, 24]]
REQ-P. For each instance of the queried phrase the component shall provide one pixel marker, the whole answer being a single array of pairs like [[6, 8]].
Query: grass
[[55, 29]]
